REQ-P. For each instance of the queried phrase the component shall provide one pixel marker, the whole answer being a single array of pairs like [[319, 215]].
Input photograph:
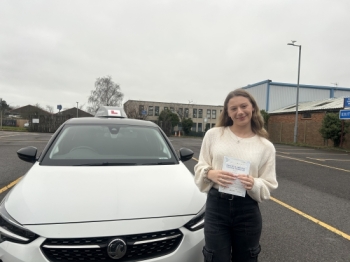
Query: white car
[[104, 189]]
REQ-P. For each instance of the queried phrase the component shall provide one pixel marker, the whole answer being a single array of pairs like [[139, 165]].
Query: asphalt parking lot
[[306, 219]]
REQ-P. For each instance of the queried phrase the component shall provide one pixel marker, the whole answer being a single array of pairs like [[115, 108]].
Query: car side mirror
[[27, 154], [185, 154]]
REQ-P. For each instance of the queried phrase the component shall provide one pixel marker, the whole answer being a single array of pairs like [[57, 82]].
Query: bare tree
[[49, 108], [38, 105], [106, 93], [132, 110]]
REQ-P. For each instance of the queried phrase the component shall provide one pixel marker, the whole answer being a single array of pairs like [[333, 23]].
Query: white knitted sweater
[[260, 152]]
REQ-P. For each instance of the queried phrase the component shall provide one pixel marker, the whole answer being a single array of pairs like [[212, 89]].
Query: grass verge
[[14, 128]]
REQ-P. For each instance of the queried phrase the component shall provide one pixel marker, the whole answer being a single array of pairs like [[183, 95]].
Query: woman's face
[[240, 110]]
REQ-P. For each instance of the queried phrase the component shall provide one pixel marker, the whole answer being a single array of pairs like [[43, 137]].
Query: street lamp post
[[297, 102], [77, 109]]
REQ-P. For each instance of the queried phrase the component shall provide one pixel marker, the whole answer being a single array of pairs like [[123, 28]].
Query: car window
[[109, 145]]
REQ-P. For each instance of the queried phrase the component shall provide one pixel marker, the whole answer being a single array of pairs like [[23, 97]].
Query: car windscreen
[[104, 145]]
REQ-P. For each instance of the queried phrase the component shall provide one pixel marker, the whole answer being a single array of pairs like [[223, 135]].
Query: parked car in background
[[104, 188]]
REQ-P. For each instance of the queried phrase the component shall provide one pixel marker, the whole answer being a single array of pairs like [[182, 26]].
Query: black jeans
[[232, 228]]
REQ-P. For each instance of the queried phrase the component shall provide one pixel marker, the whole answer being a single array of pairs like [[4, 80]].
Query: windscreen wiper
[[106, 164], [160, 163]]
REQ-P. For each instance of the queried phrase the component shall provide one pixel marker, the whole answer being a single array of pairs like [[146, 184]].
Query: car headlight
[[197, 222], [11, 230]]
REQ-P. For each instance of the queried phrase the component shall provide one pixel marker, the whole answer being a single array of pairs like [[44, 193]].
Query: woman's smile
[[241, 117]]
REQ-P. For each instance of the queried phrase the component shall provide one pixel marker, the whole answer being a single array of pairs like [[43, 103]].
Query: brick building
[[310, 117]]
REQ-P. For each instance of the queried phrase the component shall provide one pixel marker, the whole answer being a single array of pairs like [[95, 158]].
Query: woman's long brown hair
[[257, 121]]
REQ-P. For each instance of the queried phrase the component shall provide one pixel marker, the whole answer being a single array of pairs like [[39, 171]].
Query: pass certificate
[[237, 167]]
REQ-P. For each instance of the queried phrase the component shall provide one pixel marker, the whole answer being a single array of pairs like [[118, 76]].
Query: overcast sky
[[51, 52]]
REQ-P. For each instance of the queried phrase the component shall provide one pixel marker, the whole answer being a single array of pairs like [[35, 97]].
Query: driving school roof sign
[[111, 112], [114, 112]]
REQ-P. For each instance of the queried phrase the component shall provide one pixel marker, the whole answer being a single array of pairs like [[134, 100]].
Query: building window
[[200, 113], [186, 112], [156, 110], [306, 115], [194, 113], [213, 125], [165, 108], [180, 112], [199, 127], [213, 114], [150, 110], [194, 127], [172, 109], [141, 109], [208, 113]]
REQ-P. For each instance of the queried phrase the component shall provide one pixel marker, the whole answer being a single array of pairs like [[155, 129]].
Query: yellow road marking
[[10, 185], [317, 164], [330, 228]]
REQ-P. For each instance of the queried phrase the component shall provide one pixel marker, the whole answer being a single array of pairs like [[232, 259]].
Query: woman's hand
[[220, 177], [247, 181]]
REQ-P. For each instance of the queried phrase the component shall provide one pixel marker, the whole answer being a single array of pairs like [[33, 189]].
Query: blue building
[[271, 96]]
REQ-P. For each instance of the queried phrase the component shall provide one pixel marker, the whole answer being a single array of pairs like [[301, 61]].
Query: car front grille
[[138, 247]]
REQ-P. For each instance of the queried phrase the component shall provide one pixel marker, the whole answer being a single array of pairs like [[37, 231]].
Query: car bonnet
[[49, 194]]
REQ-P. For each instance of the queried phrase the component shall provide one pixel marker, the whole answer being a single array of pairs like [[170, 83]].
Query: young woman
[[233, 223]]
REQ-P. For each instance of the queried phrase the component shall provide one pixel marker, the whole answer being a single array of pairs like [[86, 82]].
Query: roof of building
[[330, 104], [273, 96], [295, 85], [73, 111], [29, 109]]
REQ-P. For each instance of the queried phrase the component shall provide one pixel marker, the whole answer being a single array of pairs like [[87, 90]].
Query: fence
[[47, 123], [9, 122]]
